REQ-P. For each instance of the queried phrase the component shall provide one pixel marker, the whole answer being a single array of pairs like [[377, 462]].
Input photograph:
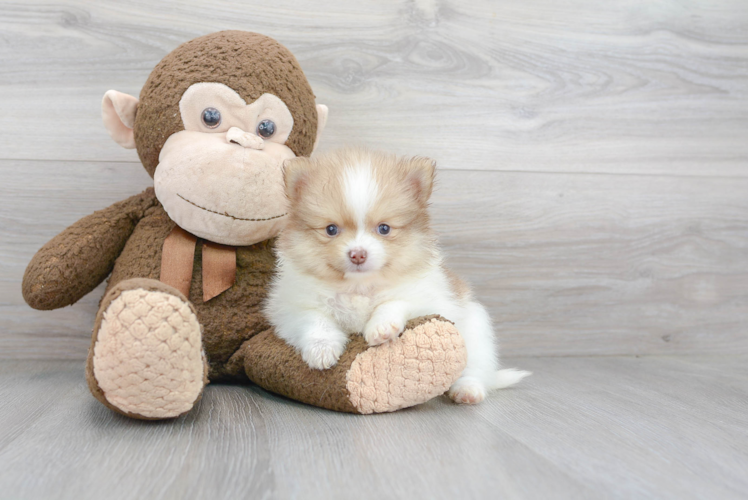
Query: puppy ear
[[118, 112], [420, 177], [295, 175]]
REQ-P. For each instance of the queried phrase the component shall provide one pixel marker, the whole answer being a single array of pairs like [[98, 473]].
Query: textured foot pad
[[148, 358], [423, 364]]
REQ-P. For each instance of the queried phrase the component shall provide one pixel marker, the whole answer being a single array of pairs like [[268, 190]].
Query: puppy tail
[[508, 377]]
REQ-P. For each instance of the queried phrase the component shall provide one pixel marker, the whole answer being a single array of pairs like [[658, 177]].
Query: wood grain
[[602, 264], [613, 427], [593, 188], [615, 222], [618, 87], [566, 263]]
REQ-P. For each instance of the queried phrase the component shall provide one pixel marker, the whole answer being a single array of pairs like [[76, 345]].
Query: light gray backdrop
[[593, 180]]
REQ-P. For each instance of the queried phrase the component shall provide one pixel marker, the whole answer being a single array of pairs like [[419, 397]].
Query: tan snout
[[245, 139]]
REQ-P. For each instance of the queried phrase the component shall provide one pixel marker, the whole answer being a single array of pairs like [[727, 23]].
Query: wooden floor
[[592, 185], [580, 427]]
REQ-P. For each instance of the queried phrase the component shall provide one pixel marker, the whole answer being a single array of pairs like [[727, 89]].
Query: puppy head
[[354, 213]]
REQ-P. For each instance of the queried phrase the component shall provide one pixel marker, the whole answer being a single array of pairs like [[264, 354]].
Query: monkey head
[[215, 121]]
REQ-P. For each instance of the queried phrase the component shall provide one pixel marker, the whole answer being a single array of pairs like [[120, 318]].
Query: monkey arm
[[75, 261]]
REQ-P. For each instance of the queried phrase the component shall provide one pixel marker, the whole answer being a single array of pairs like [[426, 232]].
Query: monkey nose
[[244, 139]]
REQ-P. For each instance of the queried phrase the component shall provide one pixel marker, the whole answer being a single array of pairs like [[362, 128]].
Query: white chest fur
[[351, 311]]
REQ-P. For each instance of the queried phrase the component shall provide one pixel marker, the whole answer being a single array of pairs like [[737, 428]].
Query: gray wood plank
[[601, 427], [567, 263], [30, 390], [532, 86], [247, 443], [602, 264], [649, 427]]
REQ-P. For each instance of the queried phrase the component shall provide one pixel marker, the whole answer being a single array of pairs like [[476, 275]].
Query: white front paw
[[378, 331], [322, 354]]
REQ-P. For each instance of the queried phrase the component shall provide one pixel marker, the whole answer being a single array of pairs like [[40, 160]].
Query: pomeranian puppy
[[358, 256]]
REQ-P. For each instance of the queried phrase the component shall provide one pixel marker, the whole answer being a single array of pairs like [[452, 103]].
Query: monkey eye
[[266, 128], [383, 229], [211, 117], [332, 230]]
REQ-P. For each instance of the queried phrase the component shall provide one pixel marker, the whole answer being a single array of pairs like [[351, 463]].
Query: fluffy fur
[[322, 292]]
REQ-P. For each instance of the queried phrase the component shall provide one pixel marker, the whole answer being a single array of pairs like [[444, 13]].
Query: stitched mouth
[[225, 214]]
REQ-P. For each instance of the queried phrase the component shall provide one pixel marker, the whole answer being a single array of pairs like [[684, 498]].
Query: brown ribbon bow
[[178, 259]]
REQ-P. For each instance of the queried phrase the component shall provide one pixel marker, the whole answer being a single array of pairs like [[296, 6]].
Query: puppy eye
[[266, 128], [332, 230], [383, 229], [211, 117]]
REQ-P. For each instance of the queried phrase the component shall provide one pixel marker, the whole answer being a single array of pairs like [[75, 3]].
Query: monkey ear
[[420, 177], [118, 112], [294, 175], [322, 112]]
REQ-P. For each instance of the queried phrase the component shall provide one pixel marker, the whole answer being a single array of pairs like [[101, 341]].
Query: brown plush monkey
[[191, 260]]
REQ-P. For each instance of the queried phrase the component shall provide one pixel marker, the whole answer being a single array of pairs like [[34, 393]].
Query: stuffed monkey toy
[[190, 260]]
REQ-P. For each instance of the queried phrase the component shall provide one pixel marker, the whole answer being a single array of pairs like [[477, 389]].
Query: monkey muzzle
[[219, 191]]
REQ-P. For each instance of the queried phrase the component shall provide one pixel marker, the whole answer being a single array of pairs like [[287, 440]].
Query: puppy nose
[[244, 139], [357, 256]]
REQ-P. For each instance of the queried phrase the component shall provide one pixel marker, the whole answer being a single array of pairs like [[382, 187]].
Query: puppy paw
[[377, 332], [467, 391], [322, 354]]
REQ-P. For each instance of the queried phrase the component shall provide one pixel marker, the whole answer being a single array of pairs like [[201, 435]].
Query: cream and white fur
[[321, 295]]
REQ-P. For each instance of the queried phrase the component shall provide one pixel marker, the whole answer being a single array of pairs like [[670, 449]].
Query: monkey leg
[[146, 358], [421, 364]]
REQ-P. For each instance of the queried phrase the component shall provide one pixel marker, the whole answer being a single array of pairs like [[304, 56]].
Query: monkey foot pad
[[422, 365], [147, 356]]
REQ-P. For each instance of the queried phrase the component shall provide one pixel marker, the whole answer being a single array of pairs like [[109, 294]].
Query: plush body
[[359, 256], [190, 262]]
